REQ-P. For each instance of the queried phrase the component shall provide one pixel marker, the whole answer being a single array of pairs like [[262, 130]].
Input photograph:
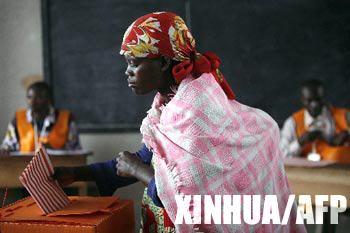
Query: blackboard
[[82, 39], [267, 49]]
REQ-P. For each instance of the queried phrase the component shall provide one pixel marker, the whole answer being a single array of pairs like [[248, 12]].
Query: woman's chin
[[140, 91], [137, 91]]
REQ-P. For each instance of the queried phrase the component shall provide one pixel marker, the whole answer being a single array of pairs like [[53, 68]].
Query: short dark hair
[[41, 86], [312, 83]]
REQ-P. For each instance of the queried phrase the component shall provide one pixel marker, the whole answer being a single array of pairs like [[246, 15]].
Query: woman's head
[[152, 45], [158, 34], [160, 51]]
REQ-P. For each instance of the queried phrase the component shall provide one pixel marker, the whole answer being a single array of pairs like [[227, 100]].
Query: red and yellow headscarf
[[166, 34]]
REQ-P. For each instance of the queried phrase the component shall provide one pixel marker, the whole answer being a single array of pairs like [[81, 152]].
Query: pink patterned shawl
[[205, 144]]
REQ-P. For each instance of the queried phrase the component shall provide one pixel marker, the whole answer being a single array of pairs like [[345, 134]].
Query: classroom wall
[[21, 49], [21, 59]]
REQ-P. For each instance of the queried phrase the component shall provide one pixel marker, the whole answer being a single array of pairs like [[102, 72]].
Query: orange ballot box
[[82, 215]]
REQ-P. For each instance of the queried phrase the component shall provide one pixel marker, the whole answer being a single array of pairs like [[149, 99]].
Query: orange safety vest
[[340, 154], [56, 138]]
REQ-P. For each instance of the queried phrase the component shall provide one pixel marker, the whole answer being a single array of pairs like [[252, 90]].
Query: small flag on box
[[36, 178]]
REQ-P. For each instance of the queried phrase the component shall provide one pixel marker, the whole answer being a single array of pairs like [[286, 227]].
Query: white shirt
[[289, 141]]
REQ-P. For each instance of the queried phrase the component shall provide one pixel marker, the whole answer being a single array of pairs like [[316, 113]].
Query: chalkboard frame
[[45, 16]]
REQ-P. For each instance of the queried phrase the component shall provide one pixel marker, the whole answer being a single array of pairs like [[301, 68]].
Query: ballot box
[[82, 215]]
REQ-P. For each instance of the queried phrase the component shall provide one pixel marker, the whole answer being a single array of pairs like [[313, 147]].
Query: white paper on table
[[302, 162]]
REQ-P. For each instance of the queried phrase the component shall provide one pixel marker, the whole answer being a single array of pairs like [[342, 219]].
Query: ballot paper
[[36, 178]]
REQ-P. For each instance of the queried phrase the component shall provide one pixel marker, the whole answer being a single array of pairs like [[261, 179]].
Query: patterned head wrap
[[166, 34]]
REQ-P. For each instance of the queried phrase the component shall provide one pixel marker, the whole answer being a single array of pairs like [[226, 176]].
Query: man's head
[[39, 97], [313, 96]]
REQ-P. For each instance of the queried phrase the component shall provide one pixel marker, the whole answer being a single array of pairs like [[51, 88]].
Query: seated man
[[318, 127], [40, 123]]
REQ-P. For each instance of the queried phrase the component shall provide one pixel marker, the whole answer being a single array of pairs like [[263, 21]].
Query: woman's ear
[[166, 62]]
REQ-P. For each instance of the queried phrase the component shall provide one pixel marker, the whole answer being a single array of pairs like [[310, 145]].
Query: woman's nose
[[128, 71]]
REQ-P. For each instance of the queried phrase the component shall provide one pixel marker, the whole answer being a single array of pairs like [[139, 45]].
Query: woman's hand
[[130, 165], [127, 164], [64, 175]]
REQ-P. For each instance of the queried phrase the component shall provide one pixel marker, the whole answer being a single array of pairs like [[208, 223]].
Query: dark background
[[267, 49]]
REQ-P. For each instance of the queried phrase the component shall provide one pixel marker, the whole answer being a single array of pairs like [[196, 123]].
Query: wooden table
[[12, 166], [330, 180]]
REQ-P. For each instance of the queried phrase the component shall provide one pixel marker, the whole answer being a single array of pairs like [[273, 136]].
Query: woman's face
[[144, 74]]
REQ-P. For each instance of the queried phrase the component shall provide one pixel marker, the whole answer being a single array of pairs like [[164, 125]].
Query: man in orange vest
[[40, 123], [318, 127]]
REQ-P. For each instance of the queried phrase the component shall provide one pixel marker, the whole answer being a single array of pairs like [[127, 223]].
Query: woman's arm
[[103, 174], [106, 177], [68, 175]]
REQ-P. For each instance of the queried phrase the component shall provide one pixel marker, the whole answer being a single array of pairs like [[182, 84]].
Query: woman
[[197, 138]]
